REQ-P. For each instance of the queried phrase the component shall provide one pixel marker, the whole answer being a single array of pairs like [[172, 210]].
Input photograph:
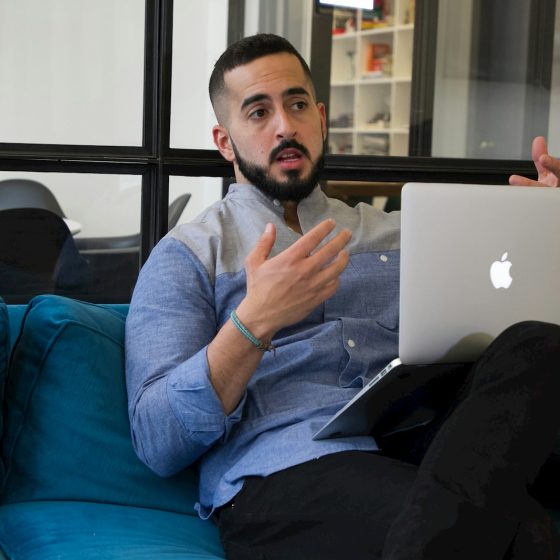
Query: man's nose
[[285, 125]]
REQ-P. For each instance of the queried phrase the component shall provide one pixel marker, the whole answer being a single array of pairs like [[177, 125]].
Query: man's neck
[[291, 216]]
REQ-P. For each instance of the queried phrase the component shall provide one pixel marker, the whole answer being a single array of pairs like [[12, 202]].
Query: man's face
[[272, 128]]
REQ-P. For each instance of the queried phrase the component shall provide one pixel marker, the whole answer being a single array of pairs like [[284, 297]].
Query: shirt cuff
[[194, 401]]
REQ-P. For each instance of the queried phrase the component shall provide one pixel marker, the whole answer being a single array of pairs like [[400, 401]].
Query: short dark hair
[[245, 51]]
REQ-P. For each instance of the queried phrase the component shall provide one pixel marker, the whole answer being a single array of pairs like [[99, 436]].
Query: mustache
[[288, 144]]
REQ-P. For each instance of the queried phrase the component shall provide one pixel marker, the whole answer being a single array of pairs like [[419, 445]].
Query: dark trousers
[[459, 489]]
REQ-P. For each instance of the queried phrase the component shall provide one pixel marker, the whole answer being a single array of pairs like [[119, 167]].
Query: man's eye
[[257, 114], [299, 105]]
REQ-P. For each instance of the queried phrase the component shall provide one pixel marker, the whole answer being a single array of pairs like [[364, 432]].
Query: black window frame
[[155, 161]]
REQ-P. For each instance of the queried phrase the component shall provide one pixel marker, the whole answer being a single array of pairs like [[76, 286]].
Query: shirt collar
[[314, 206]]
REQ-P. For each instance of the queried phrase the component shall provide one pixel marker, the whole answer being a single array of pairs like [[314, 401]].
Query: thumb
[[538, 149], [264, 245]]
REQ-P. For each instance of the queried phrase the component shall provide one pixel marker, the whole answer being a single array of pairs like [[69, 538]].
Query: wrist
[[254, 322], [264, 345]]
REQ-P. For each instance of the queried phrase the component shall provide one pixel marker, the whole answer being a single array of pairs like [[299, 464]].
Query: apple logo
[[499, 273]]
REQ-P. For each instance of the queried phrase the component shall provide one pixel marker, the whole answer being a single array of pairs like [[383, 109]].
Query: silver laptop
[[475, 259]]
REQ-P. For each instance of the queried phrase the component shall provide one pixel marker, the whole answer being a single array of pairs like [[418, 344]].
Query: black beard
[[293, 188]]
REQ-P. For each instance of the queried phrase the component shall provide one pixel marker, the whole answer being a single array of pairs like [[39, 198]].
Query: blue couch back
[[66, 434]]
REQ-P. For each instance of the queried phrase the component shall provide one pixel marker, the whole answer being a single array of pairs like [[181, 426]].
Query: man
[[252, 325]]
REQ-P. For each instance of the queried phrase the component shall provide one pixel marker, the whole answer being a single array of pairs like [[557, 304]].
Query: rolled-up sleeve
[[195, 403], [175, 413]]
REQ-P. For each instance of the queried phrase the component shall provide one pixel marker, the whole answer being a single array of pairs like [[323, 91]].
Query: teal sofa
[[71, 484]]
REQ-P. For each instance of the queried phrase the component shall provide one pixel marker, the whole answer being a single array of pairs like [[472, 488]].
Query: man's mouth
[[290, 155]]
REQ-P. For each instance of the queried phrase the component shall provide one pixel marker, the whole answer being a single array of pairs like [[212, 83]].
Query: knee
[[538, 334], [529, 349]]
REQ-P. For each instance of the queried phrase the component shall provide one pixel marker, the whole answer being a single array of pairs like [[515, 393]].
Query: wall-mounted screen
[[363, 4]]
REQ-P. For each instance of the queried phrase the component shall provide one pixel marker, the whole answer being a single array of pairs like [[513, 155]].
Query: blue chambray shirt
[[186, 290]]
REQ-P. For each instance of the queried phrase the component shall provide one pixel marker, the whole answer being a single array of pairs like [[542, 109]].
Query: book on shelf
[[410, 13], [380, 16], [344, 21], [378, 60]]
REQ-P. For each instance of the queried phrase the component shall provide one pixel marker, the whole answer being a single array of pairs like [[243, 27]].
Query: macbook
[[475, 259]]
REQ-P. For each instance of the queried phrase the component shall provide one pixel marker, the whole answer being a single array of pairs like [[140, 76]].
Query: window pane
[[199, 37], [371, 73], [86, 246], [554, 114], [492, 82], [383, 195], [288, 18], [203, 192], [76, 71]]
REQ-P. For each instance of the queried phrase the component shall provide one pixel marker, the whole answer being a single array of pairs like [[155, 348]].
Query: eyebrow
[[260, 96]]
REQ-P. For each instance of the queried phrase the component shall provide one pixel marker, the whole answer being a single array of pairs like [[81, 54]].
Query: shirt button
[[383, 258], [351, 343], [276, 202]]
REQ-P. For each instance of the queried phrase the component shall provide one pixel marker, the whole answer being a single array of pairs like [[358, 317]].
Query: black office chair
[[176, 209], [38, 255], [24, 193], [121, 242], [114, 262]]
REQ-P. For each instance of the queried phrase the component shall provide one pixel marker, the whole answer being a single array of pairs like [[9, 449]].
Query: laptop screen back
[[475, 259]]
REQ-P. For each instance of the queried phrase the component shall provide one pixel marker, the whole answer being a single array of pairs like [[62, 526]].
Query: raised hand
[[548, 167], [286, 288]]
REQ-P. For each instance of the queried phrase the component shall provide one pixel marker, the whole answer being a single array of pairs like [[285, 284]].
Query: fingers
[[262, 249], [520, 181], [548, 168], [307, 245], [285, 288], [334, 269], [324, 283], [550, 173], [331, 249], [538, 149], [304, 246]]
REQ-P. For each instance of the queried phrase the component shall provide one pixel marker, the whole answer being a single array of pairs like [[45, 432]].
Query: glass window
[[199, 37], [76, 71], [490, 87], [202, 191], [497, 74], [72, 234], [554, 114], [371, 75], [289, 18], [200, 31], [383, 195]]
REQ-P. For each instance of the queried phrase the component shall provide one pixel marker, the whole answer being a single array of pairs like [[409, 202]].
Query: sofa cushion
[[67, 434], [87, 531], [4, 356], [16, 312]]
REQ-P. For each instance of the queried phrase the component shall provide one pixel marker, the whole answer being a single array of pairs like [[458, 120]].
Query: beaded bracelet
[[266, 346]]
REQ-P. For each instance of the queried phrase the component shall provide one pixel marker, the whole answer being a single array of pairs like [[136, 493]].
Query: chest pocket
[[369, 289]]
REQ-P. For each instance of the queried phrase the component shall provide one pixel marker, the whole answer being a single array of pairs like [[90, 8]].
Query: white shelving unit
[[370, 80]]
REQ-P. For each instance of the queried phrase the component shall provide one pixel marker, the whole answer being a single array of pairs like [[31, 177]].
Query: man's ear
[[323, 113], [223, 142]]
